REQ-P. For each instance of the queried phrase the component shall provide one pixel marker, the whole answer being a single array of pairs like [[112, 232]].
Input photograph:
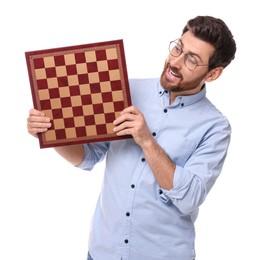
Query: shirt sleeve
[[194, 180], [94, 153]]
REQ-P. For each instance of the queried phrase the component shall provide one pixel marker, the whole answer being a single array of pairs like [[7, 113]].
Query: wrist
[[148, 144]]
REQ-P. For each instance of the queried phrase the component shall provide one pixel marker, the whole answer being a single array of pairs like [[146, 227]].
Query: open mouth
[[172, 75]]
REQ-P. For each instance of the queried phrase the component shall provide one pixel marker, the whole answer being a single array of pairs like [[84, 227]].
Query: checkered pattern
[[81, 88]]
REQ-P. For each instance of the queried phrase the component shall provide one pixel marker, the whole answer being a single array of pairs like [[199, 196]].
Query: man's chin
[[169, 86], [166, 84]]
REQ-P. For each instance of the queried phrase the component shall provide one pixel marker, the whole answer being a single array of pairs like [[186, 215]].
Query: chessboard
[[82, 89]]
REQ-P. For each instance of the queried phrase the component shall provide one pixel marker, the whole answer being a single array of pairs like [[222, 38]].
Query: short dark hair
[[216, 32]]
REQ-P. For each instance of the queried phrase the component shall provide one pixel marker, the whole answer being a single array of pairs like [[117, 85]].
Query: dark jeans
[[89, 257]]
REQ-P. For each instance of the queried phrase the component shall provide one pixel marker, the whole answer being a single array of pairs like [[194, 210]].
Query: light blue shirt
[[135, 219]]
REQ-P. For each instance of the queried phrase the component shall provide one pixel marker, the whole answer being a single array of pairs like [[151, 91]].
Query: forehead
[[197, 46]]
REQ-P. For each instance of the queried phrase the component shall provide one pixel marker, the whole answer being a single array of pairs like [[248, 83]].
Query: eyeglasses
[[190, 61]]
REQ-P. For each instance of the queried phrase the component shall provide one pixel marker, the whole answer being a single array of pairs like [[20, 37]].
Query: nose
[[177, 61]]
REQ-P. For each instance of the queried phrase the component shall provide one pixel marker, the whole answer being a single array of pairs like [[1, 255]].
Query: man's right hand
[[37, 122]]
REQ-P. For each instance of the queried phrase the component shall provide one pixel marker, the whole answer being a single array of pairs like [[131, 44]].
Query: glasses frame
[[185, 54]]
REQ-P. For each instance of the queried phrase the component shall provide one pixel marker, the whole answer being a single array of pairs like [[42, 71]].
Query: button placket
[[129, 205]]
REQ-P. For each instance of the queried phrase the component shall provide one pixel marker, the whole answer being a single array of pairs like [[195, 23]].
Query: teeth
[[173, 73]]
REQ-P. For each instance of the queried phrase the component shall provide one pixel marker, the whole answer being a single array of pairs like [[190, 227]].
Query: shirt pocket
[[178, 148]]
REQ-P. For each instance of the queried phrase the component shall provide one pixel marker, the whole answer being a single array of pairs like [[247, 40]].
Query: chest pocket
[[178, 148]]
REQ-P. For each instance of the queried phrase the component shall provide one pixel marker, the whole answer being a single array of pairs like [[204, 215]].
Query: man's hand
[[132, 122], [37, 122]]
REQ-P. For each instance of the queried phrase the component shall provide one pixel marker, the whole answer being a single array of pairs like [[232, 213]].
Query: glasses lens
[[190, 62], [175, 49]]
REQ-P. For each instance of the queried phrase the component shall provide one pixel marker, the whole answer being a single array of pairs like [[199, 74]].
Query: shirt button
[[160, 191], [143, 159], [154, 134], [182, 104], [127, 214], [132, 186], [126, 241], [165, 110]]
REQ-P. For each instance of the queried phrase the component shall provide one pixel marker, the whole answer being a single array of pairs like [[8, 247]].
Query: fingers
[[132, 110], [34, 112], [37, 122], [123, 118], [128, 114], [125, 121], [132, 122], [124, 128], [129, 122]]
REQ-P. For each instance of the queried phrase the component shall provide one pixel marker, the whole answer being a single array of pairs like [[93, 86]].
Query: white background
[[46, 204]]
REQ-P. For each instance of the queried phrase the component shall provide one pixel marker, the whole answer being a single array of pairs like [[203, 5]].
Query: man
[[155, 182]]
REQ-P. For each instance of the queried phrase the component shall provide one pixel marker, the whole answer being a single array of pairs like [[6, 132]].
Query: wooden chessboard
[[82, 89]]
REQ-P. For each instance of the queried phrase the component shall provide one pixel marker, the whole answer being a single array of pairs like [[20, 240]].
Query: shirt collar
[[183, 100]]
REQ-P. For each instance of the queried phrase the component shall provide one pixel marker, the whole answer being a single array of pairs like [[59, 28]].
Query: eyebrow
[[190, 52]]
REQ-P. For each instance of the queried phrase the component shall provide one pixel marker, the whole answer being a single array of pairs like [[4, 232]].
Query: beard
[[182, 85]]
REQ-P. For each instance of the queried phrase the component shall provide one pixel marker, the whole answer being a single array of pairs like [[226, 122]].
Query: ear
[[214, 74]]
